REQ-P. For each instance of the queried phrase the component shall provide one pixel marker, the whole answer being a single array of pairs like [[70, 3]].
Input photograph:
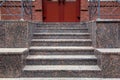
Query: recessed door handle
[[44, 17], [78, 17]]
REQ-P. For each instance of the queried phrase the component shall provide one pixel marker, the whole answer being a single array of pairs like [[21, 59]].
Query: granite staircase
[[61, 50]]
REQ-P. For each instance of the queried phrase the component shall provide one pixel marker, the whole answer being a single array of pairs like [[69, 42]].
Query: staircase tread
[[61, 67], [61, 57], [62, 47], [12, 50], [61, 33], [82, 40]]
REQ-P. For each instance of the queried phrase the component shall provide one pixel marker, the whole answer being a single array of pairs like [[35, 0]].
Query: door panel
[[70, 11], [51, 11]]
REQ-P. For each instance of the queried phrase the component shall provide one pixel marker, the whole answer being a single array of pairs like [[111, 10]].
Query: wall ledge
[[107, 20], [4, 51], [109, 50]]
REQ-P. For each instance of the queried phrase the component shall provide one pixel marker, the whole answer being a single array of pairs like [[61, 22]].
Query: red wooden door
[[51, 11], [61, 10], [71, 11]]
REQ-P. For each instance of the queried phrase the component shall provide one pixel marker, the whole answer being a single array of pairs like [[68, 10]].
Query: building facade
[[60, 10], [50, 10]]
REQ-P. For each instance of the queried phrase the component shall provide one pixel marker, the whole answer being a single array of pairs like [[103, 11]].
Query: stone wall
[[105, 33], [109, 62], [14, 34], [15, 38]]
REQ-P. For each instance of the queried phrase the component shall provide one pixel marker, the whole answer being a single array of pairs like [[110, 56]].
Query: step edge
[[79, 57], [61, 40], [64, 68]]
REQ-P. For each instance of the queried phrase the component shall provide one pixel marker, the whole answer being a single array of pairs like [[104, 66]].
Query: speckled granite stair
[[61, 42], [61, 50], [61, 60], [61, 35], [61, 71]]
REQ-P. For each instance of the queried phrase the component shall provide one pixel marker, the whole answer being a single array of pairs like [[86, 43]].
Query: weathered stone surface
[[15, 34], [109, 62], [12, 62], [105, 33], [2, 34]]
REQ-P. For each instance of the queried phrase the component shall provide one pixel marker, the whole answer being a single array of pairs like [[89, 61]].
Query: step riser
[[67, 26], [82, 74], [61, 43], [62, 62], [61, 37], [61, 27], [61, 24], [61, 31], [45, 52]]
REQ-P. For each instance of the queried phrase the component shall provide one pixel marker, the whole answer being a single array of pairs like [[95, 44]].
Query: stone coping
[[109, 50], [108, 20], [12, 50]]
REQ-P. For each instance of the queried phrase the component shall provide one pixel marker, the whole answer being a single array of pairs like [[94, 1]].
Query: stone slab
[[12, 50], [61, 57], [109, 50], [61, 48], [62, 67]]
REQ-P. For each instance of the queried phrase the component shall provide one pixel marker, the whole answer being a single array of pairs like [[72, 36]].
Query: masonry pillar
[[84, 10], [37, 10]]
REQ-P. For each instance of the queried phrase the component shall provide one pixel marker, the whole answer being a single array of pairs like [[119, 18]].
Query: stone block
[[12, 61], [109, 62]]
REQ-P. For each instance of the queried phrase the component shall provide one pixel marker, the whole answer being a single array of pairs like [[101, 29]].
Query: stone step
[[61, 42], [61, 71], [61, 50], [61, 36], [61, 60], [61, 30]]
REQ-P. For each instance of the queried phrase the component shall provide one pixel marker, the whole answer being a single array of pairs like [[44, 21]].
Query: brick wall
[[108, 10], [84, 10], [37, 10]]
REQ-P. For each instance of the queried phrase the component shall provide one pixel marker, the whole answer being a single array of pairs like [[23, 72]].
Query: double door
[[61, 10]]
